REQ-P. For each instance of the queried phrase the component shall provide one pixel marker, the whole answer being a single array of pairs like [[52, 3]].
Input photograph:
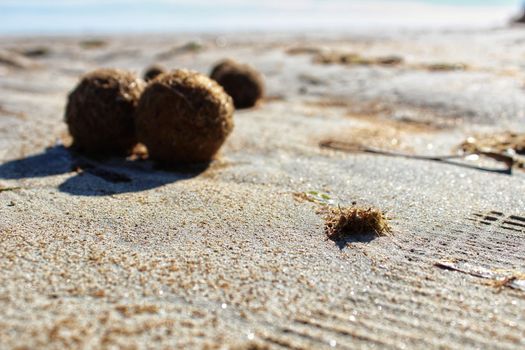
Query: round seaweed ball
[[152, 72], [242, 82], [100, 112], [222, 65], [184, 117]]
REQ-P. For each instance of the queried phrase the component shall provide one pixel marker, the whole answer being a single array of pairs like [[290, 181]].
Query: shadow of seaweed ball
[[184, 117], [100, 112], [152, 72], [242, 82]]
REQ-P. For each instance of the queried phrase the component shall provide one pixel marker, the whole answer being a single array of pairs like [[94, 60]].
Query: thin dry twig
[[508, 160]]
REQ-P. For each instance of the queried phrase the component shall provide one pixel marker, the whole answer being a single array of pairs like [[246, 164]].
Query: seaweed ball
[[100, 112], [184, 117], [152, 72], [242, 82], [224, 64]]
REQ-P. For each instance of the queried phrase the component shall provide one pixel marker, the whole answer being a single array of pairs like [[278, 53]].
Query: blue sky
[[78, 16]]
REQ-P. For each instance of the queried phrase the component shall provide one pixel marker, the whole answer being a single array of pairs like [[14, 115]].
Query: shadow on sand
[[54, 161], [358, 238], [96, 177]]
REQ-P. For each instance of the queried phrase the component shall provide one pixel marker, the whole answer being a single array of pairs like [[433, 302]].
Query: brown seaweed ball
[[184, 117], [242, 82], [152, 72], [224, 64], [100, 112]]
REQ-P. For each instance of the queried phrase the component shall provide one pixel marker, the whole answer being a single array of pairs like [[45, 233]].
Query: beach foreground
[[120, 254]]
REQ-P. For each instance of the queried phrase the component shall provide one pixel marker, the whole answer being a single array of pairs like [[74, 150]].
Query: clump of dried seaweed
[[445, 67], [346, 58], [499, 142], [508, 147], [7, 189], [341, 223], [314, 197], [352, 58]]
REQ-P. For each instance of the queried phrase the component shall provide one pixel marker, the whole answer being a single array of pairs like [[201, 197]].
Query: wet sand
[[124, 255]]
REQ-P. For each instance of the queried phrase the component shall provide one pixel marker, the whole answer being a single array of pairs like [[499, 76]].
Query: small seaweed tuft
[[7, 189], [341, 223], [314, 197], [446, 67]]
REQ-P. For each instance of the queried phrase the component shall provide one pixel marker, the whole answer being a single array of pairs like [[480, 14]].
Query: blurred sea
[[133, 16]]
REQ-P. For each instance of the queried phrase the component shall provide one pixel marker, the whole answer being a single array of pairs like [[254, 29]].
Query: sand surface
[[125, 256]]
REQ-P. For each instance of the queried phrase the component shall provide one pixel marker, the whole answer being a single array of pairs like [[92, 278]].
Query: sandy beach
[[123, 255]]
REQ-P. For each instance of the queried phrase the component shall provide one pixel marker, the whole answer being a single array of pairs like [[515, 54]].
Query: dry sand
[[124, 256]]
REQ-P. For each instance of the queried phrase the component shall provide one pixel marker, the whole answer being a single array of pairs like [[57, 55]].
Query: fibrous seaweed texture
[[100, 112], [341, 223], [184, 117]]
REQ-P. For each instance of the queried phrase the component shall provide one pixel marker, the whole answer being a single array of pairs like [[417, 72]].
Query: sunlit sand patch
[[374, 136], [385, 135], [410, 118], [17, 114], [14, 60]]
